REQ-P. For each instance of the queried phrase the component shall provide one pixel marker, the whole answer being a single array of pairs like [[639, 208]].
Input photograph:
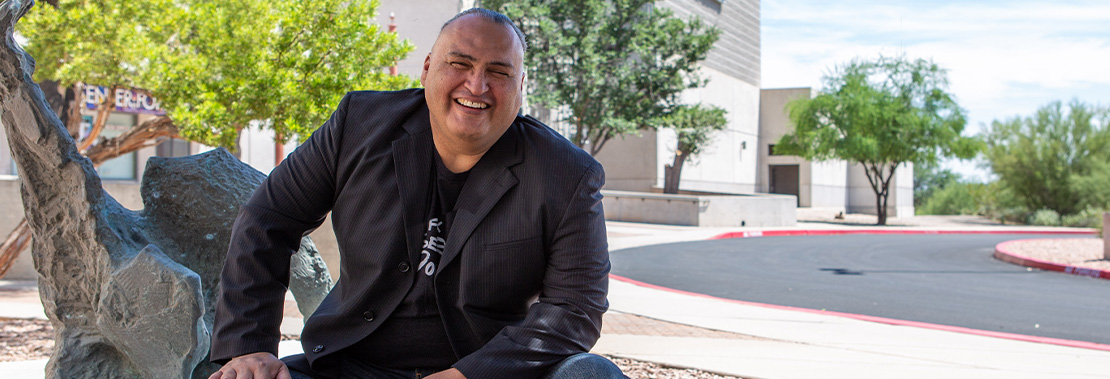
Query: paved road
[[942, 279]]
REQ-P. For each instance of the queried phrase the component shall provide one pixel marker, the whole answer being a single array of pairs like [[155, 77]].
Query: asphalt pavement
[[947, 279]]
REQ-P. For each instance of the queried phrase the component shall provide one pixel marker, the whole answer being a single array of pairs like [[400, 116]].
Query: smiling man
[[472, 239]]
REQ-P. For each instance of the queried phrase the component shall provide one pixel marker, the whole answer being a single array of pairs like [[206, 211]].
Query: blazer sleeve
[[293, 200], [566, 320]]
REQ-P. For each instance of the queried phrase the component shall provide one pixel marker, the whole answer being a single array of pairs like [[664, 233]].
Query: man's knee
[[586, 365]]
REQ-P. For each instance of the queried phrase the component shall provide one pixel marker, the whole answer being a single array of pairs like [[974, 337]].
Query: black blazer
[[523, 279]]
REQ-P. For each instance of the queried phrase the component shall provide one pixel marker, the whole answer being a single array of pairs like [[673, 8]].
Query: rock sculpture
[[130, 294]]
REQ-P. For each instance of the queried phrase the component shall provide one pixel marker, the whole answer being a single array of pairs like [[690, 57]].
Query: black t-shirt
[[413, 336]]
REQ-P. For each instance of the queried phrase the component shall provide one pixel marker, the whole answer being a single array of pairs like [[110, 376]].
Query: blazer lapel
[[488, 181], [412, 158]]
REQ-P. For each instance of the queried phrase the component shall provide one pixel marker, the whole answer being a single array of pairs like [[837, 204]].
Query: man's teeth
[[471, 104]]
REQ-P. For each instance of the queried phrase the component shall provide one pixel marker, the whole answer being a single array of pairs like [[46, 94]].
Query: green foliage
[[1087, 218], [694, 125], [613, 65], [956, 198], [880, 114], [1045, 217], [888, 111], [216, 66], [999, 203], [101, 42], [928, 178], [1056, 159]]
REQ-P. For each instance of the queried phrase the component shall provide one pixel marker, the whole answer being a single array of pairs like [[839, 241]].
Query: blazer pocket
[[527, 242], [509, 274]]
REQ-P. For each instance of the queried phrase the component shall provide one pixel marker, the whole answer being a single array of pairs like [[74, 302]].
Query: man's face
[[473, 81]]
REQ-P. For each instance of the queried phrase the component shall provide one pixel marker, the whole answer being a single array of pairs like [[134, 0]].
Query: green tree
[[880, 114], [955, 198], [694, 126], [286, 63], [609, 66], [928, 178], [98, 42], [217, 66], [1055, 159]]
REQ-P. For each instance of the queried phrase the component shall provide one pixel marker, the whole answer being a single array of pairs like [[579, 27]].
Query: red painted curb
[[784, 233], [1001, 252], [883, 320]]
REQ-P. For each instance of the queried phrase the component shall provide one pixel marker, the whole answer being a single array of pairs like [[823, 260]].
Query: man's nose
[[477, 83]]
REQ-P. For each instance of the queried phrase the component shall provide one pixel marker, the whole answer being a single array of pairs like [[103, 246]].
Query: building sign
[[126, 100]]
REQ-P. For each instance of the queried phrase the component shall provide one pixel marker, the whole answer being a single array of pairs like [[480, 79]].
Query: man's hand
[[447, 374], [254, 366]]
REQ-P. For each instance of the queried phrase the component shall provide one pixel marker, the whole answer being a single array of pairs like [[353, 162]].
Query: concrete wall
[[631, 162], [737, 52], [729, 163], [773, 124], [418, 22], [861, 197], [701, 210], [829, 185]]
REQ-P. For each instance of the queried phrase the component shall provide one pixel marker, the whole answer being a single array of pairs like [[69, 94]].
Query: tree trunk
[[880, 210], [17, 241], [880, 185], [279, 150], [672, 173]]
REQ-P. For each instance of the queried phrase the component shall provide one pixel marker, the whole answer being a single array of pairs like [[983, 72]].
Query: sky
[[1004, 58]]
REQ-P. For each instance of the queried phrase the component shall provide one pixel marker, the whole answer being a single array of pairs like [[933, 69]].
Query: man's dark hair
[[493, 16]]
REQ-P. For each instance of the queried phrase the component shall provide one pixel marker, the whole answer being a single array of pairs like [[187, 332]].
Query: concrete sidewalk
[[754, 341]]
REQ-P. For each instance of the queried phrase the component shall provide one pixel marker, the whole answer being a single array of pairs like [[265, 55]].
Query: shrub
[[1045, 217], [1087, 218], [952, 199]]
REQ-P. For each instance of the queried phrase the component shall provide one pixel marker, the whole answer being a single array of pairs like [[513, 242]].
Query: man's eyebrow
[[470, 58]]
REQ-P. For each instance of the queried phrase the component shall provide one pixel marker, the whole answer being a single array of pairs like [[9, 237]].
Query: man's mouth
[[471, 104]]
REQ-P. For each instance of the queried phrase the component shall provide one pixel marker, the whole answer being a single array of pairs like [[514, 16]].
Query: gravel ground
[[1078, 252], [22, 340]]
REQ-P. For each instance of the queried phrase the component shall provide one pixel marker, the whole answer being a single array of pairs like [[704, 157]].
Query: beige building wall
[[835, 184], [631, 162], [729, 163], [861, 196], [418, 22], [828, 187]]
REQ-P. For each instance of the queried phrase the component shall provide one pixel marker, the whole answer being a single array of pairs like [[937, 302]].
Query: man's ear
[[424, 74]]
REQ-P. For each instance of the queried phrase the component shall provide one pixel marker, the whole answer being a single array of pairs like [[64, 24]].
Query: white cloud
[[1004, 58]]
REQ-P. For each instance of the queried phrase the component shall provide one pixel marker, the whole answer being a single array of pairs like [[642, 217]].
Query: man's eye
[[500, 74], [459, 65]]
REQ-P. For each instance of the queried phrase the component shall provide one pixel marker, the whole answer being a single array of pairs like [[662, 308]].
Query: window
[[771, 149], [121, 167], [173, 147]]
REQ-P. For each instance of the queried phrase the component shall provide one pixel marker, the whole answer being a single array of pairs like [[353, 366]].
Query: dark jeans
[[578, 366]]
